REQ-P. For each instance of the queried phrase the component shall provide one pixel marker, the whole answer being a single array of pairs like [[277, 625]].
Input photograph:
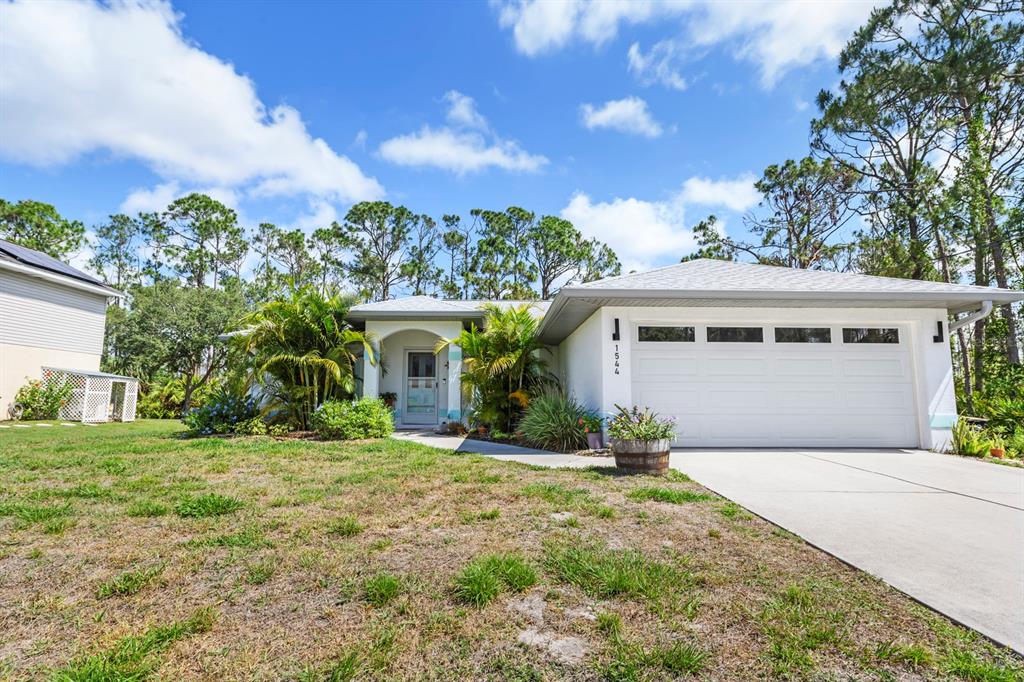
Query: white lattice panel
[[97, 400], [131, 396]]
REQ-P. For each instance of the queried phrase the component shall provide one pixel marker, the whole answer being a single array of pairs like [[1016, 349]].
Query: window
[[871, 335], [803, 335], [735, 335], [663, 334]]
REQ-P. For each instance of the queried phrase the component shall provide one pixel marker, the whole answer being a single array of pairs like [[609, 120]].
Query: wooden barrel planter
[[642, 456]]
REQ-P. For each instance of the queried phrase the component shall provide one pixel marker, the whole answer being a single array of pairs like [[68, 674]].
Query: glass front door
[[421, 388]]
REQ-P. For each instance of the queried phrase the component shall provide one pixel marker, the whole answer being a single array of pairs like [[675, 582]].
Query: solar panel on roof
[[39, 259]]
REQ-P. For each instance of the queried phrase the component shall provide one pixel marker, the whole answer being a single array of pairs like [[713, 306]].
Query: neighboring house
[[742, 355], [51, 315]]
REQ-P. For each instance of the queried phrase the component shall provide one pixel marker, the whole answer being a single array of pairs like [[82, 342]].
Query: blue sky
[[633, 120]]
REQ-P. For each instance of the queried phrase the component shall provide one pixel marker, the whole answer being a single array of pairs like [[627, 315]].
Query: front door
[[420, 388]]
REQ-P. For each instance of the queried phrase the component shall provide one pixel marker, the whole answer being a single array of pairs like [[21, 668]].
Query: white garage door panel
[[781, 395]]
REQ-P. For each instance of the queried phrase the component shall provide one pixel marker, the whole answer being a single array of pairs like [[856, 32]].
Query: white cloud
[[736, 194], [80, 77], [645, 233], [642, 233], [458, 152], [462, 111], [540, 26], [776, 36], [359, 141], [466, 145], [628, 115], [657, 66], [150, 200]]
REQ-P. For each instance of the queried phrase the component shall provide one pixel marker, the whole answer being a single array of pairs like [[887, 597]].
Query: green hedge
[[343, 420]]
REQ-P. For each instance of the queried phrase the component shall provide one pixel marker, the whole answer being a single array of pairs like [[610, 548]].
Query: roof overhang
[[100, 290], [364, 315], [572, 306]]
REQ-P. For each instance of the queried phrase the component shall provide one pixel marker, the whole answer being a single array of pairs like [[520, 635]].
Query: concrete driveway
[[946, 530]]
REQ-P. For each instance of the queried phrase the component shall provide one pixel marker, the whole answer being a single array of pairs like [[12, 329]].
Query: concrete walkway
[[946, 530], [506, 453]]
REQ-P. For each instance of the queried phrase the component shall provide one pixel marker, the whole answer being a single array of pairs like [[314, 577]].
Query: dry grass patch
[[385, 560]]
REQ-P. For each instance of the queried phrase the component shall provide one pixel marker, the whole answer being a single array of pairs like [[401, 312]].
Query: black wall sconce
[[615, 332], [938, 336]]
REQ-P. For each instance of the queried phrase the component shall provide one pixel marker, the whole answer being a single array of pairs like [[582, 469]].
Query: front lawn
[[126, 551]]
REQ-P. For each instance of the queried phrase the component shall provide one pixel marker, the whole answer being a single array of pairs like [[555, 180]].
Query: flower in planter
[[591, 423], [642, 425]]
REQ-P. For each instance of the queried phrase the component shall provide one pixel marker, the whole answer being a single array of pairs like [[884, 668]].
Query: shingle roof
[[724, 276], [716, 283]]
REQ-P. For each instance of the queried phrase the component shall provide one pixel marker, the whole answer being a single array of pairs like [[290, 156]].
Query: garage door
[[778, 386]]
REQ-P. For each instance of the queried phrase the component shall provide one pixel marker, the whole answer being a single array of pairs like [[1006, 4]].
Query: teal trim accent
[[454, 353], [454, 415], [943, 421]]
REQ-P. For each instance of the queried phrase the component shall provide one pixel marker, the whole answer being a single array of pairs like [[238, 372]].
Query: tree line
[[914, 169], [193, 270], [378, 250]]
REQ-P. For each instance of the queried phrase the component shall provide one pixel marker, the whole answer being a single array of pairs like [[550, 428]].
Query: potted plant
[[389, 398], [591, 425], [641, 440], [997, 448]]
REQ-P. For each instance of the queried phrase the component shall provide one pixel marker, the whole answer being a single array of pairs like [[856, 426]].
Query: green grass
[[260, 572], [249, 537], [28, 513], [146, 509], [136, 657], [483, 579], [211, 504], [129, 583], [556, 494], [726, 599], [381, 589], [669, 495], [967, 665], [603, 573], [799, 622], [345, 526]]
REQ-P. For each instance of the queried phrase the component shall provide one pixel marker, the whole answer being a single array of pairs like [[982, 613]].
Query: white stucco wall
[[45, 324], [579, 360], [597, 369]]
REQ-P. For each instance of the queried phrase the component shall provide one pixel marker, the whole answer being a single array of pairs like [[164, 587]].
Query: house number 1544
[[616, 358]]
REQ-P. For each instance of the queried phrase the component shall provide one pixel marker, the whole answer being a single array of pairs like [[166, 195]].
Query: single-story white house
[[741, 355], [51, 315]]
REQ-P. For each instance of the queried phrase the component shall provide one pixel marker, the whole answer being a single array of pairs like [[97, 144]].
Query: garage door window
[[735, 335], [803, 335], [665, 334], [871, 335]]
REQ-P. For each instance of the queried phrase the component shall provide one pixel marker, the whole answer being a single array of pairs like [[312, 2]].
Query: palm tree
[[304, 351], [501, 362]]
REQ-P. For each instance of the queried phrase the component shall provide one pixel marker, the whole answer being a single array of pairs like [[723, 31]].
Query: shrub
[[252, 427], [1003, 414], [554, 420], [968, 441], [165, 397], [363, 418], [223, 413], [637, 424], [42, 400]]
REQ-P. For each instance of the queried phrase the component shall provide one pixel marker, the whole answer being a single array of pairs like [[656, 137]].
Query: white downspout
[[983, 312]]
